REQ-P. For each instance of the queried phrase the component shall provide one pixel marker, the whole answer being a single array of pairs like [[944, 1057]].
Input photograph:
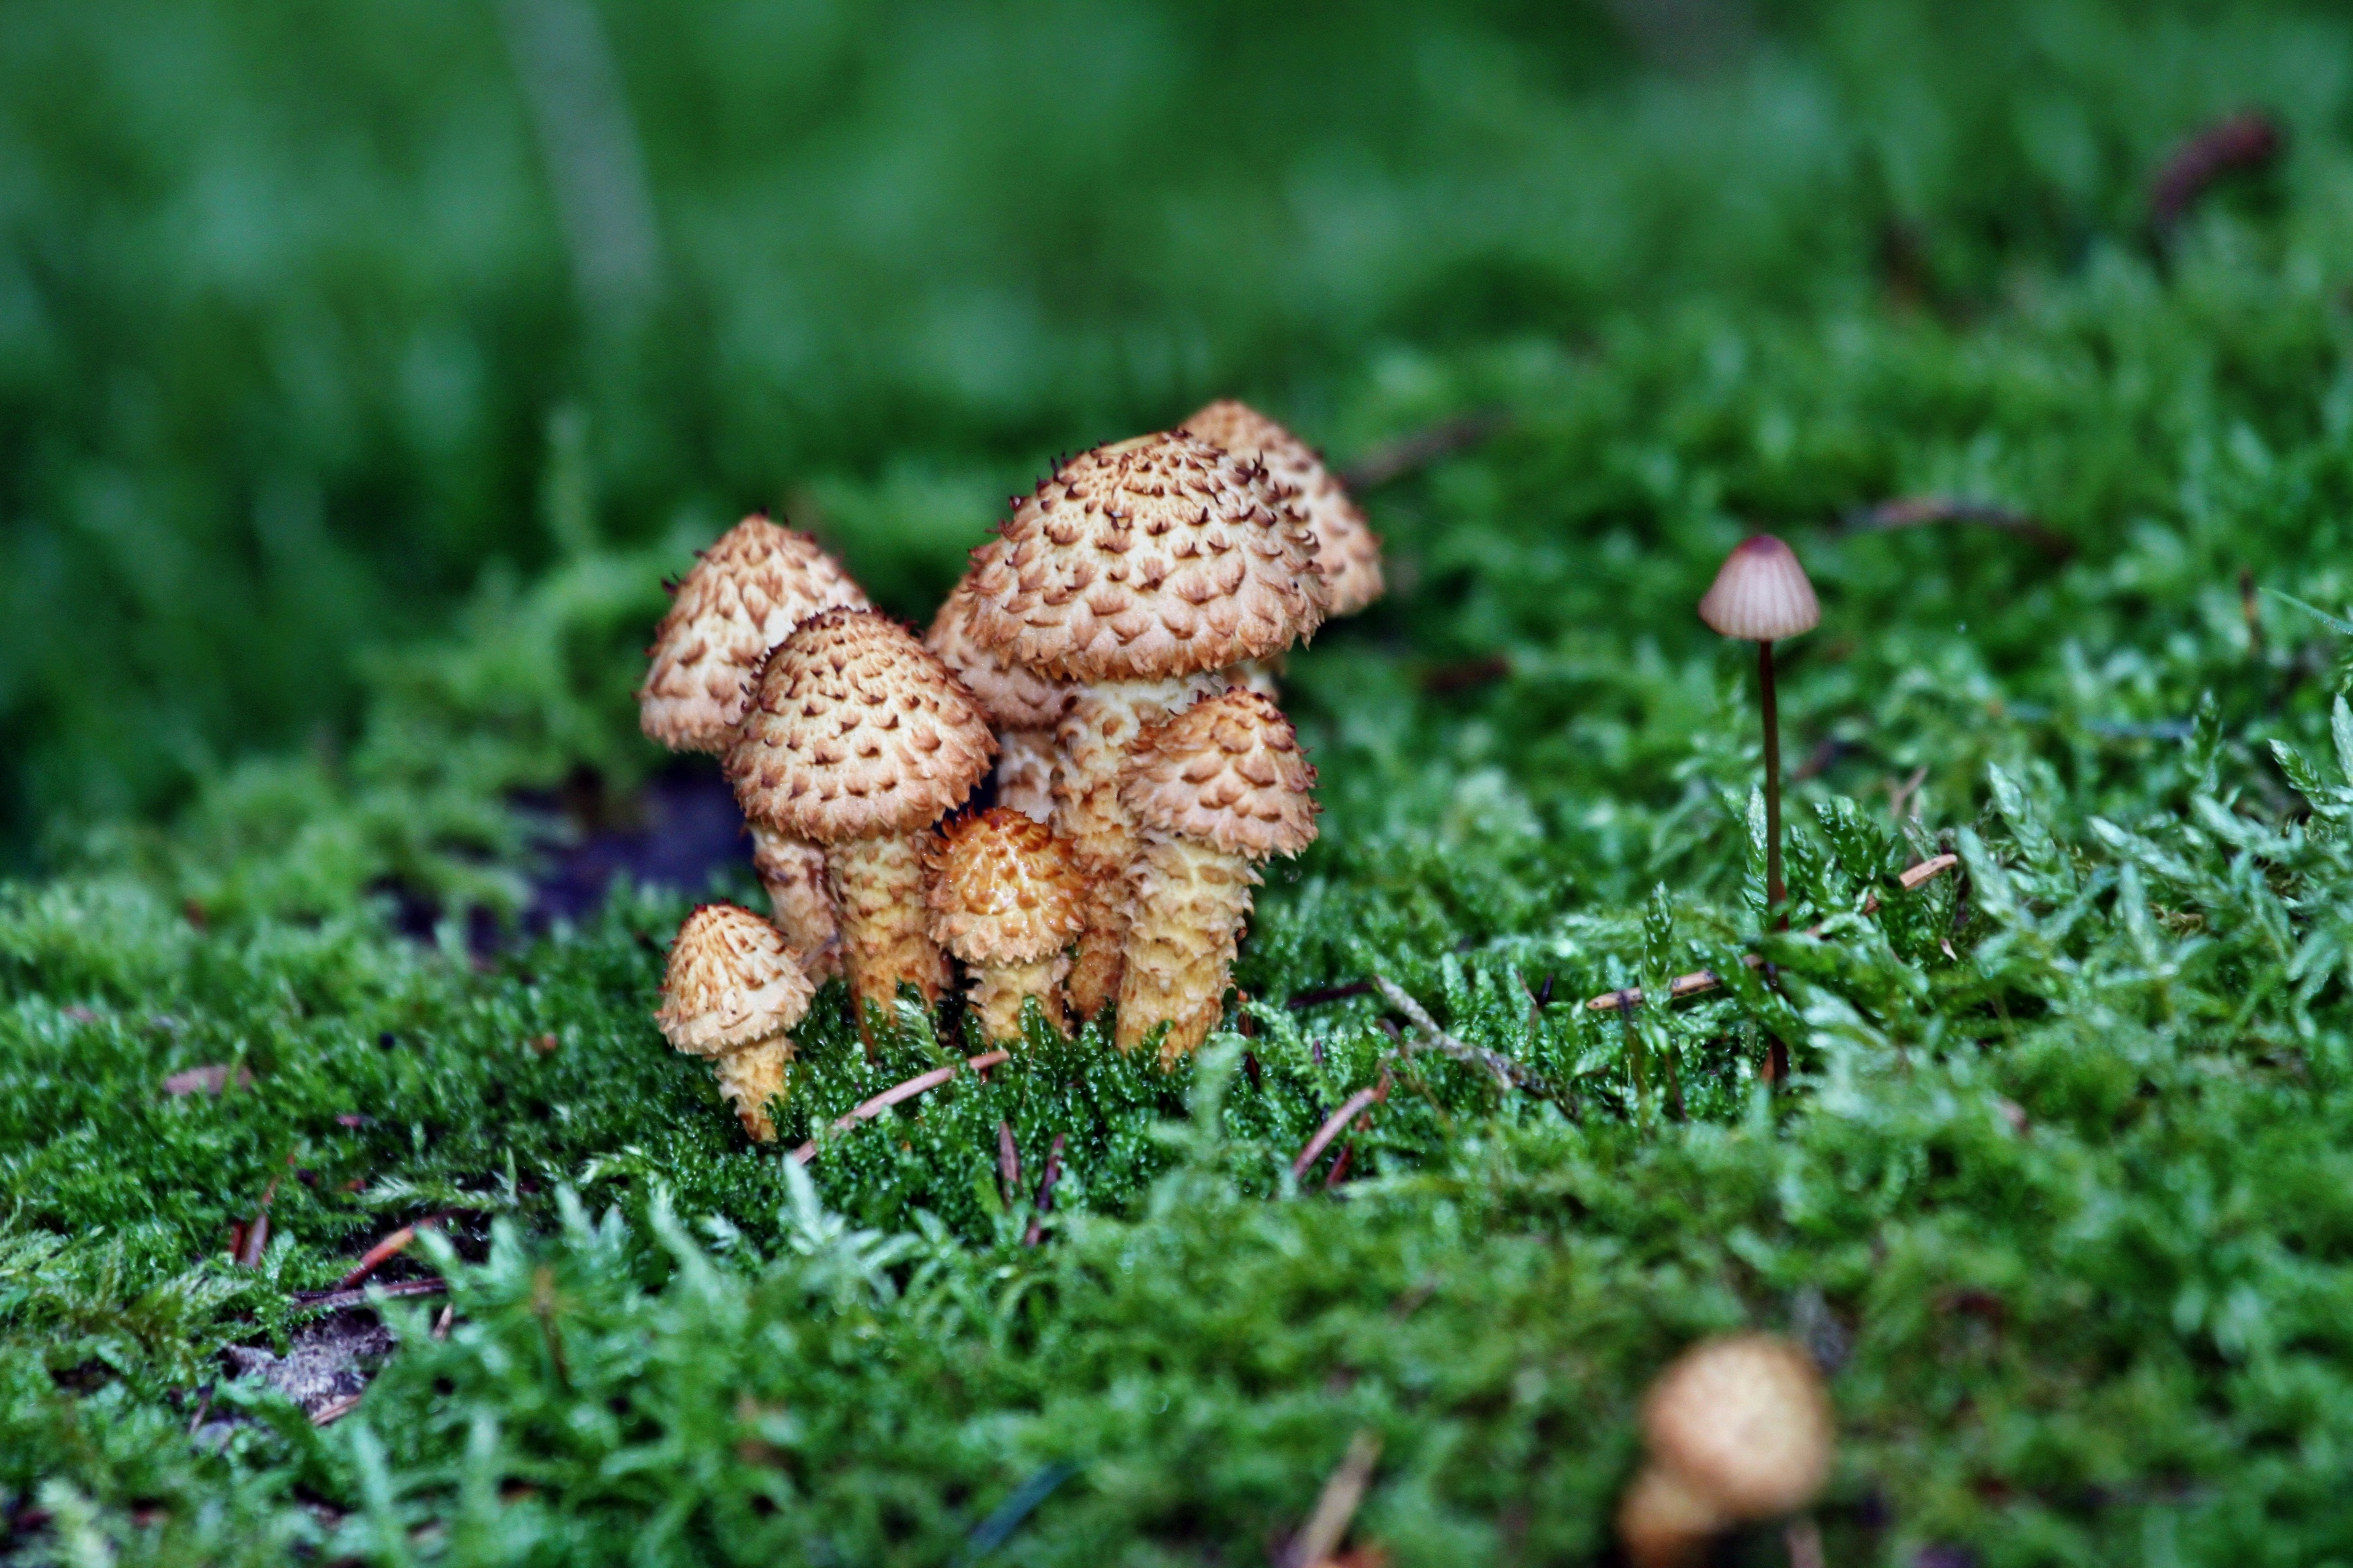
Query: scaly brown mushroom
[[1138, 572], [859, 739], [1738, 1430], [1008, 899], [731, 994], [1022, 704], [1349, 553], [743, 596], [1217, 789]]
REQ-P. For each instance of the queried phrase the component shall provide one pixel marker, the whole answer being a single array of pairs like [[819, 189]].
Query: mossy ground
[[2062, 1188]]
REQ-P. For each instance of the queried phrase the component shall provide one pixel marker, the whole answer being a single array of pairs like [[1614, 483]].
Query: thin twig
[[1439, 1039], [1333, 1124], [1417, 449], [907, 1090], [385, 1251], [1700, 980], [339, 1301], [1335, 1507], [1916, 511], [335, 1409], [1045, 1193], [2247, 140], [1323, 994], [1009, 1162]]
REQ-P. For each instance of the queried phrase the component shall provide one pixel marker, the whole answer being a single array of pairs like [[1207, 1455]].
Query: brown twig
[[1918, 511], [1045, 1193], [1364, 1099], [1394, 460], [2245, 140], [335, 1409], [1009, 1162], [341, 1301], [385, 1250], [1505, 1071], [907, 1090], [1700, 980], [1336, 1507], [254, 1244], [1468, 676], [1317, 997]]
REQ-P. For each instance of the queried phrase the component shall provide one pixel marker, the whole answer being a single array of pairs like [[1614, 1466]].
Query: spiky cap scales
[[731, 981], [743, 597], [1226, 771], [855, 730], [1150, 558], [1005, 889], [1348, 552], [1015, 696], [1744, 1422], [1761, 593]]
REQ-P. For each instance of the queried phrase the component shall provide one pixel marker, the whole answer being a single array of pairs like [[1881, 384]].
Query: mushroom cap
[[743, 597], [1005, 889], [1015, 696], [731, 981], [1743, 1420], [855, 730], [1148, 559], [1348, 552], [1226, 771], [1761, 593]]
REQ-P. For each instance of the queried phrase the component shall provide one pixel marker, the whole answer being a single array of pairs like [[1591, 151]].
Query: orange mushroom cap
[[1005, 889], [1226, 771], [1348, 552], [731, 981]]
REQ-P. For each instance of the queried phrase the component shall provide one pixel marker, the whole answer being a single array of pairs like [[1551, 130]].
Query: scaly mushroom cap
[[1349, 553], [1744, 1421], [731, 981], [855, 730], [743, 597], [1005, 889], [1225, 772], [1761, 593], [1015, 696], [1147, 559]]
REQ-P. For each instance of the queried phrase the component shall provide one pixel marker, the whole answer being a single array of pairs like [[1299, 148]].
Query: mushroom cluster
[[1106, 669]]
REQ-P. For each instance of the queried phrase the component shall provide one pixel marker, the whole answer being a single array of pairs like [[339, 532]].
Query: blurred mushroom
[[859, 739], [1738, 1429], [731, 993], [1348, 552], [743, 596], [1138, 572], [1022, 704], [1761, 595], [1217, 790], [1007, 899]]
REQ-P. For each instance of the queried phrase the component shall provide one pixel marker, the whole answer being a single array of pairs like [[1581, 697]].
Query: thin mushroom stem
[[1774, 893]]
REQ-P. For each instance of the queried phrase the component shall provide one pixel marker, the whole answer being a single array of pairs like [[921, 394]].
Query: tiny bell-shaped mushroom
[[731, 993], [1761, 595], [1008, 899], [1216, 791], [1738, 1430]]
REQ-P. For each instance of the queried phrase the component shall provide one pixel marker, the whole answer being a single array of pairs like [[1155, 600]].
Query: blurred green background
[[318, 322]]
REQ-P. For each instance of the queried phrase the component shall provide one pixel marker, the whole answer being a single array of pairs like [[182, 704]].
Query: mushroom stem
[[1191, 901], [1663, 1521], [998, 991], [1025, 772], [793, 871], [752, 1076], [1095, 736], [877, 884], [1774, 893]]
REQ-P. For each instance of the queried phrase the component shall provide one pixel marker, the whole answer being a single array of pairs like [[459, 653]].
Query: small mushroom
[[1022, 704], [743, 596], [1738, 1430], [1348, 552], [859, 739], [1138, 572], [731, 994], [1217, 790], [1761, 595], [1008, 899]]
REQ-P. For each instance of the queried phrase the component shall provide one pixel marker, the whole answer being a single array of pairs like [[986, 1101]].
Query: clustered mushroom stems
[[1737, 1430]]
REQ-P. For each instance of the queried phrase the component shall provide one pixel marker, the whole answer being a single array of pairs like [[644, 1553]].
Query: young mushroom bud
[[1738, 1429], [743, 597], [731, 994], [1008, 899], [1022, 704], [1217, 789], [1348, 552], [857, 739], [1138, 572]]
